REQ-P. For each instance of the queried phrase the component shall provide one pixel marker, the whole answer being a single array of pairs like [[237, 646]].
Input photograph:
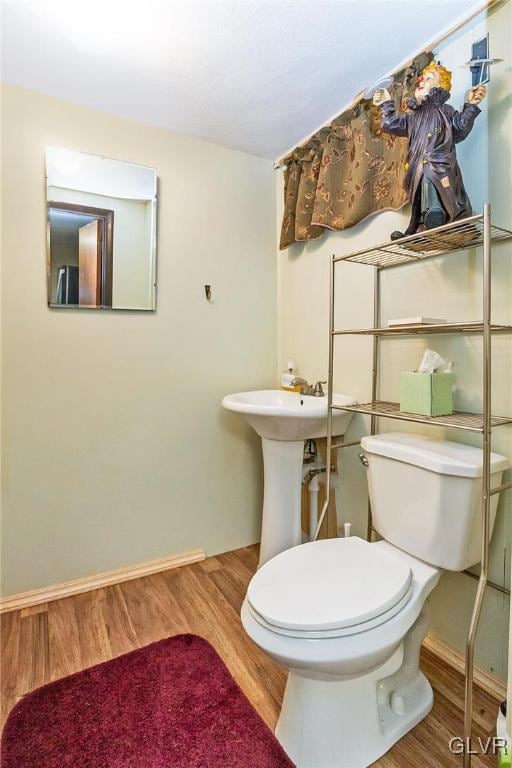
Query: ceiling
[[65, 225], [256, 75]]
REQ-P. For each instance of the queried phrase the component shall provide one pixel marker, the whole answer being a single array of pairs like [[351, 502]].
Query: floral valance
[[347, 170]]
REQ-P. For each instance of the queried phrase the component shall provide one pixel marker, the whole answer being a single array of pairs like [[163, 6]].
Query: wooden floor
[[44, 643]]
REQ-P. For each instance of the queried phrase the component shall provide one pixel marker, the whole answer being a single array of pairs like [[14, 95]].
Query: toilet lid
[[327, 585]]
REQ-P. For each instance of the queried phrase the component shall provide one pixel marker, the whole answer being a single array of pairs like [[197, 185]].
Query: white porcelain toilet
[[347, 618]]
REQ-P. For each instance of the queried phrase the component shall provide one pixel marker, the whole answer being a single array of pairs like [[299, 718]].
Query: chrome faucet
[[315, 390]]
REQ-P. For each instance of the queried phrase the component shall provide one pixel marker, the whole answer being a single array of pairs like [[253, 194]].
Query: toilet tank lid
[[443, 456]]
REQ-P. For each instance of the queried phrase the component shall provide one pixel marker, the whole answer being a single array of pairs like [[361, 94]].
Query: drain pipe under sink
[[313, 477], [314, 473], [313, 488], [316, 477]]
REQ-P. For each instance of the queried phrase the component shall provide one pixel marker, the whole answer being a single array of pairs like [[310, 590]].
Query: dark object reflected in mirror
[[101, 232]]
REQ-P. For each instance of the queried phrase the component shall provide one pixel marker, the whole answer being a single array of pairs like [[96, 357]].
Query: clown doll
[[433, 180]]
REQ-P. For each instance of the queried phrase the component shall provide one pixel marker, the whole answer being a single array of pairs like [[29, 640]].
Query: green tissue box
[[426, 394]]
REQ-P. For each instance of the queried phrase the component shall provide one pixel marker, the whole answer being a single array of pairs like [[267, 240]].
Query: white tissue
[[431, 362]]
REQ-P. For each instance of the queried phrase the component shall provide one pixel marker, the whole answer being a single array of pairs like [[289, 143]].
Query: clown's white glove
[[476, 95], [380, 96]]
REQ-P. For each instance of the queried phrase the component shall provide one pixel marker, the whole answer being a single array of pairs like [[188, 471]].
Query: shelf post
[[486, 487], [328, 455], [375, 369]]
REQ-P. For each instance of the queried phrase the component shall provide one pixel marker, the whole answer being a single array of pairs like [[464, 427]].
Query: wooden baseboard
[[485, 680], [88, 583]]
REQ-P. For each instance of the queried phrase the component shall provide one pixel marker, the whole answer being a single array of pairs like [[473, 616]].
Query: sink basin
[[280, 415], [284, 420]]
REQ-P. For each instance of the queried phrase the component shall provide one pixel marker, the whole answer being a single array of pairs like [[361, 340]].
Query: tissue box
[[426, 394]]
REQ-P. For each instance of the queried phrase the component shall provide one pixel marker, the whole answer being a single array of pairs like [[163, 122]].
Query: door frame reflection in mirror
[[106, 217]]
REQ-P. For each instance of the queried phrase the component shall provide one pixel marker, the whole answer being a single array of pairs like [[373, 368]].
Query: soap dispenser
[[288, 376]]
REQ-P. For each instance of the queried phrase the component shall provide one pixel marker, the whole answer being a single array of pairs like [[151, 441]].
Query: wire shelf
[[466, 233], [470, 422], [456, 236], [425, 329]]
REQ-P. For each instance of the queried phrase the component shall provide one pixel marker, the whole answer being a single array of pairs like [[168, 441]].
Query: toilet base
[[327, 722]]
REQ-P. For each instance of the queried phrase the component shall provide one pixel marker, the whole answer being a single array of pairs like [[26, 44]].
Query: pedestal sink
[[284, 420]]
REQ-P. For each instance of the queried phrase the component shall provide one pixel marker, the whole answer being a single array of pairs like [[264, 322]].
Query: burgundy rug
[[172, 704]]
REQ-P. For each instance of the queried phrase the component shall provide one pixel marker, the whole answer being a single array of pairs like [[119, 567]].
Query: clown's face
[[425, 83]]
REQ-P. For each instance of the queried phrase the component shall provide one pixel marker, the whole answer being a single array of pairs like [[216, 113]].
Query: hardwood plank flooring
[[41, 644]]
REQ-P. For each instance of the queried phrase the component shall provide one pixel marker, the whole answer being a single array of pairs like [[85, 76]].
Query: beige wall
[[449, 288], [115, 447], [132, 257]]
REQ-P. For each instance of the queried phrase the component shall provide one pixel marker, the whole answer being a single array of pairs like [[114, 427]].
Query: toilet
[[347, 617]]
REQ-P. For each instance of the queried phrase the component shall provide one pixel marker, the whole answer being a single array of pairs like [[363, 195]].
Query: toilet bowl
[[349, 671], [347, 617]]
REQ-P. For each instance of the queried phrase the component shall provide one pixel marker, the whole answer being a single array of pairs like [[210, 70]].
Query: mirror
[[101, 232]]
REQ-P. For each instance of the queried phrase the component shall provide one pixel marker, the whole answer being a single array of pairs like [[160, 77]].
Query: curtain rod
[[462, 21]]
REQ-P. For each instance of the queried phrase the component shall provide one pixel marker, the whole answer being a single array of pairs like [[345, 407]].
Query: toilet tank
[[426, 496]]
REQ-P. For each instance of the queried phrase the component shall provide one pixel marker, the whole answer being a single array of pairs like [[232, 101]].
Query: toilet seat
[[332, 633], [329, 588]]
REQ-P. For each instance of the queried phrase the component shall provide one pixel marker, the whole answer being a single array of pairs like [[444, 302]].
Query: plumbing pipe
[[313, 488], [316, 476]]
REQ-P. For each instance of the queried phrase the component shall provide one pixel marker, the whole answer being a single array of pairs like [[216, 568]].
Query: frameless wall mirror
[[101, 232]]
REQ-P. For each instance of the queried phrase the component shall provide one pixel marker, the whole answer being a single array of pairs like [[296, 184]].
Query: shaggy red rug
[[172, 704]]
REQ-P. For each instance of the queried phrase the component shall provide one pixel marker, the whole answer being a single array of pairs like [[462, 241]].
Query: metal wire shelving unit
[[471, 232]]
